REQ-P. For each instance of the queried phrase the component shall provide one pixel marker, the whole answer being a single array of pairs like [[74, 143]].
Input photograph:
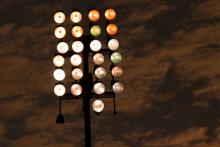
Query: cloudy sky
[[171, 60]]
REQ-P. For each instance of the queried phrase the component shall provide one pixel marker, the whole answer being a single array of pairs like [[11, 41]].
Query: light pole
[[86, 85]]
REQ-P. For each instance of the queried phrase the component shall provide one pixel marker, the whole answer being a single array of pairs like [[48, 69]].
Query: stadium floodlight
[[90, 45]]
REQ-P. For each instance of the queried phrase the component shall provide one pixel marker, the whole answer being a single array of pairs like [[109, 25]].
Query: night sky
[[171, 51]]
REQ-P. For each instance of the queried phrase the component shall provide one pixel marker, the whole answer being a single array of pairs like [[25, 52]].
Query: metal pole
[[87, 92]]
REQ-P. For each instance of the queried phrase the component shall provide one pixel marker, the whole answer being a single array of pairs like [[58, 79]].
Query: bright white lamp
[[76, 89], [113, 44], [77, 73], [76, 60], [99, 88], [98, 106], [58, 60], [60, 32], [59, 17], [95, 45], [62, 47], [59, 90], [77, 46], [76, 17], [59, 74]]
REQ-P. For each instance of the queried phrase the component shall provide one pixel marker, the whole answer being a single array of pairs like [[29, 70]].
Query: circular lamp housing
[[95, 30], [76, 17], [77, 31], [77, 74], [98, 58], [76, 89], [59, 74], [59, 90], [95, 45], [60, 32], [94, 15], [59, 17], [112, 29], [117, 71], [113, 44], [58, 60], [110, 14], [99, 88], [77, 46], [118, 87], [62, 47], [100, 72], [98, 106], [76, 60], [116, 57]]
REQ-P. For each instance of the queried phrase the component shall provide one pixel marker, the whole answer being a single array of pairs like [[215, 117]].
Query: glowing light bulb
[[98, 58], [62, 47], [94, 15], [95, 45], [117, 71], [59, 90], [116, 58], [60, 32], [118, 87], [77, 46], [77, 73], [100, 72], [76, 89], [95, 30], [58, 60], [77, 31], [76, 17], [112, 29], [99, 88], [76, 60], [98, 106], [59, 74], [110, 14], [113, 44], [59, 17]]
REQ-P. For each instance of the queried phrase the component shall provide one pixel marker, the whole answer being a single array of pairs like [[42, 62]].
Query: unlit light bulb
[[58, 60], [77, 73], [117, 71], [118, 87], [76, 60], [59, 74], [98, 58], [76, 89], [113, 44], [59, 90], [98, 106], [100, 72], [116, 57], [99, 88]]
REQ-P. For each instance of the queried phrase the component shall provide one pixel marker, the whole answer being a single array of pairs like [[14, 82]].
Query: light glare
[[77, 46], [59, 90], [60, 32], [76, 60], [59, 17], [95, 45], [76, 17], [62, 47], [113, 44], [59, 74], [98, 106], [99, 88], [58, 60]]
